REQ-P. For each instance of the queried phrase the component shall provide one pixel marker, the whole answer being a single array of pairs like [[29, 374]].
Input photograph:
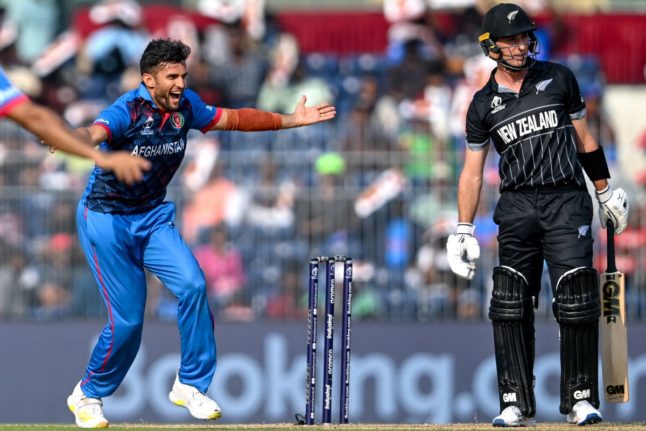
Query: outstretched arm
[[250, 120], [49, 127]]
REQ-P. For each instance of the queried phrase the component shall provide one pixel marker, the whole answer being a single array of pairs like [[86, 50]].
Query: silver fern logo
[[583, 230], [511, 16], [541, 86]]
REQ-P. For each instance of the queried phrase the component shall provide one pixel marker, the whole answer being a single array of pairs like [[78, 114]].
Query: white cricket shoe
[[512, 417], [583, 413], [198, 404], [87, 411]]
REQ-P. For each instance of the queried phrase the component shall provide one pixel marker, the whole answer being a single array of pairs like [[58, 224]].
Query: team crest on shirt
[[177, 120], [541, 86], [496, 105]]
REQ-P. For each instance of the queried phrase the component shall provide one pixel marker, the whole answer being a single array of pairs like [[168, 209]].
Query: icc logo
[[148, 126]]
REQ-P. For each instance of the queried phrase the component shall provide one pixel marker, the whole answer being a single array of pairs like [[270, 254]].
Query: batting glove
[[462, 251], [613, 206]]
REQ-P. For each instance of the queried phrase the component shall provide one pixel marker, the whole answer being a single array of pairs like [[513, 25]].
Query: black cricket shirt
[[532, 130]]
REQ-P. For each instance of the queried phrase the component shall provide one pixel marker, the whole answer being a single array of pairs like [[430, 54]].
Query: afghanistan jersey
[[532, 130], [135, 124], [10, 96]]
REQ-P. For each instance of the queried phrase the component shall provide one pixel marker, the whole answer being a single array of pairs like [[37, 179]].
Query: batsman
[[534, 115]]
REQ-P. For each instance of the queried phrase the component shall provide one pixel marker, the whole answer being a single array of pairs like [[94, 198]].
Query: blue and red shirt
[[135, 124], [10, 96]]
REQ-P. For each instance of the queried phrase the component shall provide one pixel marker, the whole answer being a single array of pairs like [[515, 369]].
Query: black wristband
[[594, 164]]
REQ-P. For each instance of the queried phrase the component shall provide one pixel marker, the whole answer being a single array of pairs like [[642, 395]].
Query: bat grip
[[612, 267]]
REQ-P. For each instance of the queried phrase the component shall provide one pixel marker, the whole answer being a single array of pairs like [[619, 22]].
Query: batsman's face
[[514, 49], [166, 85]]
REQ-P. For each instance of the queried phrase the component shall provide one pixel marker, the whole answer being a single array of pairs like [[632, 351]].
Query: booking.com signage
[[425, 373]]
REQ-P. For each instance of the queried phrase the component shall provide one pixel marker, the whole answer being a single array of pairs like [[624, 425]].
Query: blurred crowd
[[378, 184]]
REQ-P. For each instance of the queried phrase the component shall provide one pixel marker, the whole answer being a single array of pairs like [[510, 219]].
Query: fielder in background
[[124, 229], [533, 113], [49, 127]]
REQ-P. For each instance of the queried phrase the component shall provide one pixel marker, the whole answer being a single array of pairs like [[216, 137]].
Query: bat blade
[[614, 340]]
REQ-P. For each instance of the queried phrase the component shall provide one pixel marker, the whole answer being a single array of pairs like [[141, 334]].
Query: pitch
[[352, 427]]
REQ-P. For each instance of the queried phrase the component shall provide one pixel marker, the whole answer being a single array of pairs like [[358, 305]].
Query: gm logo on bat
[[611, 307], [615, 389]]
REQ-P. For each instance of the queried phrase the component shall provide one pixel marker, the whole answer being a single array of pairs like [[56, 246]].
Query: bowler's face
[[168, 84]]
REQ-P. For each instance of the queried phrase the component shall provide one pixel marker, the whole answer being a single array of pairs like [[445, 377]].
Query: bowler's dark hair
[[162, 51]]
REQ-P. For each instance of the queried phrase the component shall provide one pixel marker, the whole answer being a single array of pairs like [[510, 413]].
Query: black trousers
[[552, 226]]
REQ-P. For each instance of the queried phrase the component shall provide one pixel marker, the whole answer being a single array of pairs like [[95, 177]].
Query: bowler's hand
[[127, 168], [305, 115], [613, 206], [462, 251]]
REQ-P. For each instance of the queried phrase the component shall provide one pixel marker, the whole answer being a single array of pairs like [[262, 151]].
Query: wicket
[[312, 324]]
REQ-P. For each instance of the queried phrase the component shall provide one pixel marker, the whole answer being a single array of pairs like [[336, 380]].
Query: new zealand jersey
[[135, 124], [10, 96], [532, 130]]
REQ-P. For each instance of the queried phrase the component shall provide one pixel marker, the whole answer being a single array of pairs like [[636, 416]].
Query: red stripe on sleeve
[[106, 128], [15, 102], [216, 118]]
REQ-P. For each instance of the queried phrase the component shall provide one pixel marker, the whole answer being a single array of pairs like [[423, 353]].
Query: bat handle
[[611, 247]]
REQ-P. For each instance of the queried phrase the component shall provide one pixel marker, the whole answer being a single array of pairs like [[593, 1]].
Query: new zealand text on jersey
[[529, 124], [159, 150]]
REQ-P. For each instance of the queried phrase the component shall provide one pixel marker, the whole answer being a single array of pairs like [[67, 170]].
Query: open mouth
[[174, 96]]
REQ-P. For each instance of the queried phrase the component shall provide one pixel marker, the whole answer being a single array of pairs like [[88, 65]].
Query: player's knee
[[576, 299], [129, 330], [193, 285], [510, 299]]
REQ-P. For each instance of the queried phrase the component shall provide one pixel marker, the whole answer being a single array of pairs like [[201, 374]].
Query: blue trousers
[[118, 248]]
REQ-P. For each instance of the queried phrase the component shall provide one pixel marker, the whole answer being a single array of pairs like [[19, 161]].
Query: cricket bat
[[612, 326]]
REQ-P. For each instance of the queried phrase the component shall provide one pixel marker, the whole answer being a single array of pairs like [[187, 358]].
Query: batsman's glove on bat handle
[[613, 206], [462, 251]]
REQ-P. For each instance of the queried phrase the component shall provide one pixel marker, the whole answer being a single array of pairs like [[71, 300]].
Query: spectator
[[218, 201], [239, 74], [114, 46], [325, 216], [222, 266], [53, 293], [369, 132], [289, 302], [271, 207], [288, 79], [18, 282], [36, 23]]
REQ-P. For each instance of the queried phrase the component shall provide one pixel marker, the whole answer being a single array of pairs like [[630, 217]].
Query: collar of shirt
[[143, 92], [533, 74]]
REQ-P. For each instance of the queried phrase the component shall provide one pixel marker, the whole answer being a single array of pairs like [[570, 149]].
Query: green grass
[[351, 427]]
